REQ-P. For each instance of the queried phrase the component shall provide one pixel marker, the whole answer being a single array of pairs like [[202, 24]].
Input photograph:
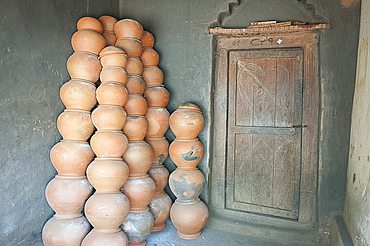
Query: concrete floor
[[232, 233]]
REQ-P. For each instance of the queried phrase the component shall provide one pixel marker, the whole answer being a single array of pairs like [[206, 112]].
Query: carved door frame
[[305, 40]]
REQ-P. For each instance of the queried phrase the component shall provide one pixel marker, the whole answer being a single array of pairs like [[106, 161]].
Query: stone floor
[[230, 232]]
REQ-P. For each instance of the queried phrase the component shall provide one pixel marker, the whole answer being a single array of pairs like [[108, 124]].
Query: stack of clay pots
[[139, 187], [108, 207], [157, 97], [188, 214], [67, 192]]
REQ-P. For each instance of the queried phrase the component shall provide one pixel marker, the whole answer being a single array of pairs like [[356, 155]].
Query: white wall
[[357, 203]]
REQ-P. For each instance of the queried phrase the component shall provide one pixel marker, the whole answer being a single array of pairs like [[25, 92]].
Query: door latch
[[299, 126]]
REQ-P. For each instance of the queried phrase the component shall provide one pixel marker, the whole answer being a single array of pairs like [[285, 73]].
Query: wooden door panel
[[264, 151]]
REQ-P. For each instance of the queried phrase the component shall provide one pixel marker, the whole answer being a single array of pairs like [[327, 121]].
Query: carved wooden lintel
[[267, 30]]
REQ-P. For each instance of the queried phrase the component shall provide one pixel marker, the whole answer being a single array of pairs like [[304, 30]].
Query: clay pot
[[71, 232], [158, 122], [66, 195], [75, 125], [71, 158], [147, 40], [138, 227], [128, 28], [82, 66], [152, 76], [113, 74], [160, 147], [157, 96], [112, 94], [149, 57], [107, 174], [134, 66], [140, 191], [136, 105], [187, 121], [186, 154], [135, 128], [186, 185], [107, 117], [189, 218], [88, 41], [135, 85], [110, 37], [108, 22], [95, 238], [112, 56], [109, 144], [159, 174], [90, 23], [106, 212], [131, 46], [78, 95], [138, 157], [160, 208]]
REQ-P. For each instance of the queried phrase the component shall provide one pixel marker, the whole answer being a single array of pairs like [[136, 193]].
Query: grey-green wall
[[34, 47], [35, 44], [186, 58]]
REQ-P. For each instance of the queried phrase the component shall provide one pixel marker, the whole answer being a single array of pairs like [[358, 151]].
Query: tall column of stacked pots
[[157, 97], [188, 214], [67, 192], [139, 187]]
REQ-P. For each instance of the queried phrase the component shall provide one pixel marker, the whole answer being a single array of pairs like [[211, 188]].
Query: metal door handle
[[299, 126]]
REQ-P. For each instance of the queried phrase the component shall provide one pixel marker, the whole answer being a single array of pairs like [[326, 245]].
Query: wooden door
[[264, 137]]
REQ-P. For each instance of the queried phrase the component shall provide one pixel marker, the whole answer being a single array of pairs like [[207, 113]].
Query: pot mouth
[[76, 110], [67, 176], [129, 38], [74, 141], [188, 202], [189, 106], [108, 159], [82, 81], [138, 177], [152, 67], [186, 140], [139, 211]]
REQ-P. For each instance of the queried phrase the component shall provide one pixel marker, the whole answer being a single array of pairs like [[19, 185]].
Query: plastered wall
[[357, 202]]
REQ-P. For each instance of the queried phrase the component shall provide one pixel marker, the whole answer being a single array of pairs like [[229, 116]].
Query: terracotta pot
[[95, 238], [78, 95], [136, 105], [152, 76], [114, 94], [135, 85], [158, 122], [187, 121], [106, 212], [75, 125], [159, 174], [112, 56], [134, 66], [186, 154], [160, 147], [69, 232], [71, 158], [138, 227], [160, 207], [109, 144], [131, 46], [82, 66], [128, 28], [157, 96], [107, 174], [113, 74], [149, 57], [147, 40], [135, 128], [140, 191], [90, 23], [108, 22], [189, 218], [186, 185], [110, 37], [138, 157], [107, 117], [66, 195], [88, 41]]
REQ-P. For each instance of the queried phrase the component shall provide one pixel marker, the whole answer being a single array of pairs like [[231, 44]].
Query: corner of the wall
[[339, 235]]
